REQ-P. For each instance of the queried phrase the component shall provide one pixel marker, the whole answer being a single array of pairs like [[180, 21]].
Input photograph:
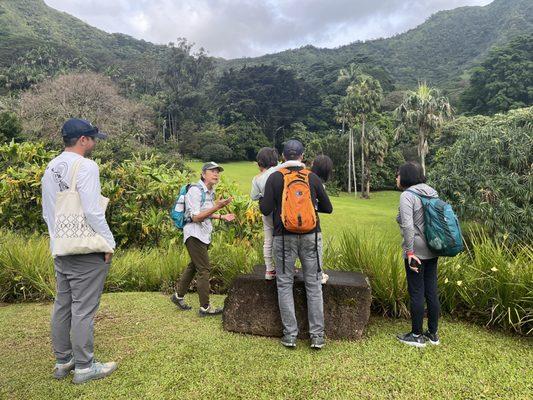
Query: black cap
[[293, 149], [211, 165], [75, 128]]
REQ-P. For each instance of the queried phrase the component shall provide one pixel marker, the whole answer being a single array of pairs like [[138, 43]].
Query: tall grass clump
[[381, 260], [491, 283], [26, 268]]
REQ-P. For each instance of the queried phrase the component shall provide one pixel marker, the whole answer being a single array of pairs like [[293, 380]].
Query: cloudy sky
[[239, 28]]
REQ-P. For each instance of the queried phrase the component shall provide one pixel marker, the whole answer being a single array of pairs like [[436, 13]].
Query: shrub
[[488, 178], [10, 126], [216, 152], [141, 191]]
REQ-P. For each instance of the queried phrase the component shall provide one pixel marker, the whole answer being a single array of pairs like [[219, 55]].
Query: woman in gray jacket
[[420, 261]]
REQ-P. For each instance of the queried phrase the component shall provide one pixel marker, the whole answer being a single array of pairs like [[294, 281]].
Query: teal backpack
[[177, 213], [442, 230]]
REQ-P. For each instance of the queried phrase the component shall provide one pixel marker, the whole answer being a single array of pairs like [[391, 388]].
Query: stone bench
[[251, 305]]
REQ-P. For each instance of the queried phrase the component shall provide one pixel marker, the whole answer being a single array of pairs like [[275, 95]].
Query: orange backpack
[[298, 213]]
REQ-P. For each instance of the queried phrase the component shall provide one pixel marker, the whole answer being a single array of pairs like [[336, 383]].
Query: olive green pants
[[198, 266]]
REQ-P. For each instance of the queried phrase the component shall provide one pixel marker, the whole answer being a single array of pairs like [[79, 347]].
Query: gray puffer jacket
[[411, 220]]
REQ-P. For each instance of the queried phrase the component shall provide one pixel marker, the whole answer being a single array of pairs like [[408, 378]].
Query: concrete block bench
[[251, 305]]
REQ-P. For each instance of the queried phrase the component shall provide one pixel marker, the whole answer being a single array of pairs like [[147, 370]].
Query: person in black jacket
[[288, 246]]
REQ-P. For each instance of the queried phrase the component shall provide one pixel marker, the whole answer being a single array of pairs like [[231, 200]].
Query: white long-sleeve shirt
[[57, 178]]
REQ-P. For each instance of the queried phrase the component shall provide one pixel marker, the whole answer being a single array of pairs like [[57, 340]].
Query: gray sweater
[[411, 220]]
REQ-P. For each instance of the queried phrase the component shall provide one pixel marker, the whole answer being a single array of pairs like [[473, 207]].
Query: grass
[[377, 214], [166, 354]]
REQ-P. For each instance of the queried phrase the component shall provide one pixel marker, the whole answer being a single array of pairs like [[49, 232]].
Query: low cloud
[[247, 28]]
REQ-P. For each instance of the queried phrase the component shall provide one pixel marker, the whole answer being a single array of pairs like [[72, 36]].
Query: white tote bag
[[73, 235]]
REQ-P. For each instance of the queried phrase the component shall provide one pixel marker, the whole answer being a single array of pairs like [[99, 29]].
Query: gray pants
[[303, 247], [79, 285]]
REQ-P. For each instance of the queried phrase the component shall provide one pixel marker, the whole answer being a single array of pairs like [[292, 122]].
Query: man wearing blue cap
[[79, 277]]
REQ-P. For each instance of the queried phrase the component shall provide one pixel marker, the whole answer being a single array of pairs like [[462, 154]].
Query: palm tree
[[425, 110], [343, 117], [363, 98], [349, 75], [375, 150]]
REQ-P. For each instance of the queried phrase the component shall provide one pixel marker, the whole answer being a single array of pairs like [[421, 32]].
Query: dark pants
[[198, 266], [423, 286]]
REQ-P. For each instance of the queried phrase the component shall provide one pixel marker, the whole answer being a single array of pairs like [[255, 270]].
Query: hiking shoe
[[325, 278], [209, 311], [412, 340], [288, 341], [432, 338], [180, 302], [62, 370], [270, 275], [317, 342], [96, 371]]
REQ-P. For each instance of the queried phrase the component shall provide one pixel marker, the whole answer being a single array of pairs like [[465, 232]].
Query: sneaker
[[180, 302], [209, 311], [270, 275], [325, 278], [63, 370], [433, 338], [412, 340], [288, 341], [96, 371], [317, 342]]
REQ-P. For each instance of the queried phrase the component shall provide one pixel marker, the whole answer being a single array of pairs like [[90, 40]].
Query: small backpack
[[177, 213], [298, 213], [442, 229]]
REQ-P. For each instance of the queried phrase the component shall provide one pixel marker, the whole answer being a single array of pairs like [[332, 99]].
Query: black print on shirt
[[59, 173]]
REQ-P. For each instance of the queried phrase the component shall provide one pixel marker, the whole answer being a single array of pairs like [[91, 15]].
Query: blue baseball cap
[[75, 128], [293, 149]]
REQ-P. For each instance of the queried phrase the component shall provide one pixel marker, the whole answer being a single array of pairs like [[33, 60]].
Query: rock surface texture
[[252, 305]]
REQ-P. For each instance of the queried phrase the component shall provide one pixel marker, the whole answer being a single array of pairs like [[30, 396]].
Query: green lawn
[[167, 354], [377, 214]]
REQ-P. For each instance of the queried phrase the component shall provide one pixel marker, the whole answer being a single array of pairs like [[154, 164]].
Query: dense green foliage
[[270, 97], [141, 192], [487, 174], [504, 80], [10, 126]]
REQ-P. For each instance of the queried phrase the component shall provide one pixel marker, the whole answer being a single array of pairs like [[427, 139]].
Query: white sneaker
[[96, 371], [63, 370], [270, 275], [210, 311]]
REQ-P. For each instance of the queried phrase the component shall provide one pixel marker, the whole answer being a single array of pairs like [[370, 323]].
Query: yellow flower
[[446, 280], [494, 269], [459, 283]]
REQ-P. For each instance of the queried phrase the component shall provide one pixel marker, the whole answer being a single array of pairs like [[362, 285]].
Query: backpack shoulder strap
[[202, 191]]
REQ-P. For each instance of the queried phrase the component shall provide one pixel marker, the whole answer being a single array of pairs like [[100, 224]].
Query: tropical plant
[[362, 99], [487, 175], [424, 110]]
